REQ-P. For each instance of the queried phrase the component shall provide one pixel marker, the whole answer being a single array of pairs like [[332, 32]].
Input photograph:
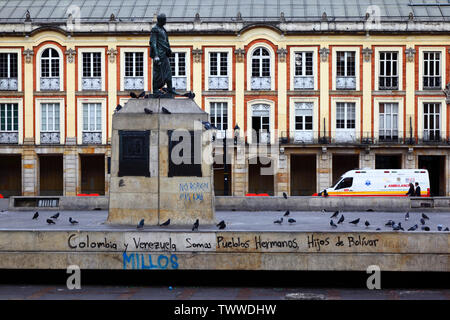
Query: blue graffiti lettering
[[138, 261]]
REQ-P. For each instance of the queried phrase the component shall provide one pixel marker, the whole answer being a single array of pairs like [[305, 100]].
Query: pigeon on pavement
[[195, 226], [36, 215], [280, 221], [140, 224], [165, 223]]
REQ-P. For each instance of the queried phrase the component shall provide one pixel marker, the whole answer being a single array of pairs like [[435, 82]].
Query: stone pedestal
[[147, 184]]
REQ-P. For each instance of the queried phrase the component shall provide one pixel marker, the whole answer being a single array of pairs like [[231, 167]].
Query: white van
[[380, 182]]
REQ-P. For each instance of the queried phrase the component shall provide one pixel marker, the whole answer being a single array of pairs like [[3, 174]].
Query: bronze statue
[[160, 52]]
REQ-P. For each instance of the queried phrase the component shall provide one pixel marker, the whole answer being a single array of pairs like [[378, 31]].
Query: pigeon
[[413, 228], [335, 214], [36, 215], [148, 111], [165, 223], [195, 226], [390, 223], [407, 216], [378, 229], [133, 95], [279, 221], [140, 224], [397, 227], [72, 221], [446, 229], [367, 224], [287, 213], [290, 220], [439, 227], [341, 219], [354, 221], [142, 94], [425, 216], [285, 195], [50, 221], [118, 108], [221, 225], [165, 111], [426, 228], [333, 224], [207, 125], [422, 221], [55, 216], [121, 183]]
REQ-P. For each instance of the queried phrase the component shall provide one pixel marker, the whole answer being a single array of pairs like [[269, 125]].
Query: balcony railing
[[261, 83], [50, 83], [180, 83], [133, 83], [303, 82], [218, 83], [345, 83], [92, 137], [8, 84], [9, 137], [91, 83], [50, 138], [397, 138]]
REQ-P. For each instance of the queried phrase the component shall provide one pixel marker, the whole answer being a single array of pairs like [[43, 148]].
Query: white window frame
[[442, 50], [80, 124], [38, 126], [420, 115], [19, 65], [399, 51], [292, 52], [315, 102], [19, 102], [229, 102], [249, 64], [357, 102], [80, 53], [55, 108], [250, 105], [402, 132], [229, 75], [61, 66], [357, 51], [433, 115], [122, 66]]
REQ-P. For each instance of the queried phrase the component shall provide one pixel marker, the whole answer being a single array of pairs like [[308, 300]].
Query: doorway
[[303, 175], [391, 161], [51, 175], [260, 179], [436, 170], [10, 175], [343, 163], [92, 174]]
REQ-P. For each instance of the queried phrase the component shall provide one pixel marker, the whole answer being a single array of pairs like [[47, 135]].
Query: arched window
[[50, 70], [261, 69], [261, 123]]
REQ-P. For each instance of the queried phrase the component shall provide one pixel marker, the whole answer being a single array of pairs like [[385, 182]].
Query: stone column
[[282, 176], [239, 172], [70, 168], [324, 169], [29, 170]]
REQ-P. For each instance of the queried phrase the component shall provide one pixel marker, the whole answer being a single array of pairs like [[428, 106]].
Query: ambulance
[[380, 182]]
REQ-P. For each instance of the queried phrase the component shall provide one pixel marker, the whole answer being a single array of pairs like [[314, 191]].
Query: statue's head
[[161, 19]]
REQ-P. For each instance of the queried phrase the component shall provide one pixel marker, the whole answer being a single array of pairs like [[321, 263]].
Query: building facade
[[321, 92]]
